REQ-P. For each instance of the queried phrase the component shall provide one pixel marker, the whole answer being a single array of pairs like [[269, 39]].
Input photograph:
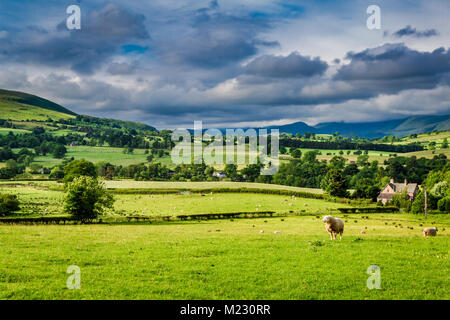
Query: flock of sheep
[[335, 226]]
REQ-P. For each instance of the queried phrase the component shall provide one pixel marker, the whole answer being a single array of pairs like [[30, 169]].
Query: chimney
[[392, 180], [406, 182]]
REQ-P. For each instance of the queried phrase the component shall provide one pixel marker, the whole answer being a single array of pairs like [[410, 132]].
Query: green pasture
[[38, 199], [130, 184], [5, 131], [21, 112], [95, 154], [273, 258], [428, 153], [426, 138], [181, 204]]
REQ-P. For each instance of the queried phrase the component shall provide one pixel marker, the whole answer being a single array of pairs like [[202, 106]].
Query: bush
[[56, 173], [401, 201], [86, 198], [8, 204], [6, 173], [444, 204]]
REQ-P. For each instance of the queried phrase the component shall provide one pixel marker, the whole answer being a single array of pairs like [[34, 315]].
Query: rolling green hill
[[21, 106], [24, 110]]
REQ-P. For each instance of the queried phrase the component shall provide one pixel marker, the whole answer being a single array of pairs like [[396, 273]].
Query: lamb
[[334, 226], [429, 232]]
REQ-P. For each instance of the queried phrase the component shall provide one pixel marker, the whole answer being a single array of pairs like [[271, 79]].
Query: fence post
[[426, 202]]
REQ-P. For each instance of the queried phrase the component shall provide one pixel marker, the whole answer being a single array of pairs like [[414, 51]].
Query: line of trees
[[349, 145]]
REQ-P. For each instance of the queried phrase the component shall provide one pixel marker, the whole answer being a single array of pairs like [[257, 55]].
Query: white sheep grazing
[[429, 232], [334, 226]]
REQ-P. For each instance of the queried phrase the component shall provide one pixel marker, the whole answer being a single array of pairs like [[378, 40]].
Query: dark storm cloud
[[212, 38], [100, 37], [410, 31], [215, 62], [396, 62], [293, 65]]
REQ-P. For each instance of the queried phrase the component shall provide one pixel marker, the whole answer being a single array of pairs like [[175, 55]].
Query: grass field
[[95, 154], [264, 258], [180, 204], [428, 153], [37, 200], [5, 131], [129, 184], [425, 138], [21, 112], [227, 260]]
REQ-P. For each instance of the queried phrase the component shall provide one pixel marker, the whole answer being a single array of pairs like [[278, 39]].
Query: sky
[[230, 63]]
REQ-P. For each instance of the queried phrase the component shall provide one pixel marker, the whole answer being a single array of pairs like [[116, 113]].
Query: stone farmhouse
[[394, 187]]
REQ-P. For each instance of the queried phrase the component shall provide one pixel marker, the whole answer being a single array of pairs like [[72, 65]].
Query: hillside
[[26, 111], [21, 106]]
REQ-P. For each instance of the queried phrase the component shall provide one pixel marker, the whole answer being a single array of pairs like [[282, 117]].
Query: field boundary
[[120, 219]]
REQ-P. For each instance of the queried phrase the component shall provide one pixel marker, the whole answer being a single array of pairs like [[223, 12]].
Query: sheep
[[429, 232], [334, 226]]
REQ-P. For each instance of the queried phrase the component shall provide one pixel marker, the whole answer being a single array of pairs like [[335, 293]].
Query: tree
[[444, 204], [251, 172], [8, 204], [35, 168], [366, 188], [444, 144], [11, 164], [6, 173], [38, 130], [432, 145], [310, 156], [297, 153], [362, 160], [419, 202], [230, 171], [441, 189], [86, 198], [338, 162], [335, 183], [79, 168], [59, 151]]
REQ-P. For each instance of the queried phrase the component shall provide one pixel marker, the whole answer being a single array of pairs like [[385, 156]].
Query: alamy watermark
[[73, 22], [241, 147], [374, 20], [74, 280], [374, 280]]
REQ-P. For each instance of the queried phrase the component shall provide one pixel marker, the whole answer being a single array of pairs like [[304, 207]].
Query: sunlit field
[[273, 258]]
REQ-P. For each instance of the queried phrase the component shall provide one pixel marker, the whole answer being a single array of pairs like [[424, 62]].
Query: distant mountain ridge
[[398, 127]]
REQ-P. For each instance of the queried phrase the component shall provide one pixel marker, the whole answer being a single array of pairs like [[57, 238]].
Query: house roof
[[399, 187]]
